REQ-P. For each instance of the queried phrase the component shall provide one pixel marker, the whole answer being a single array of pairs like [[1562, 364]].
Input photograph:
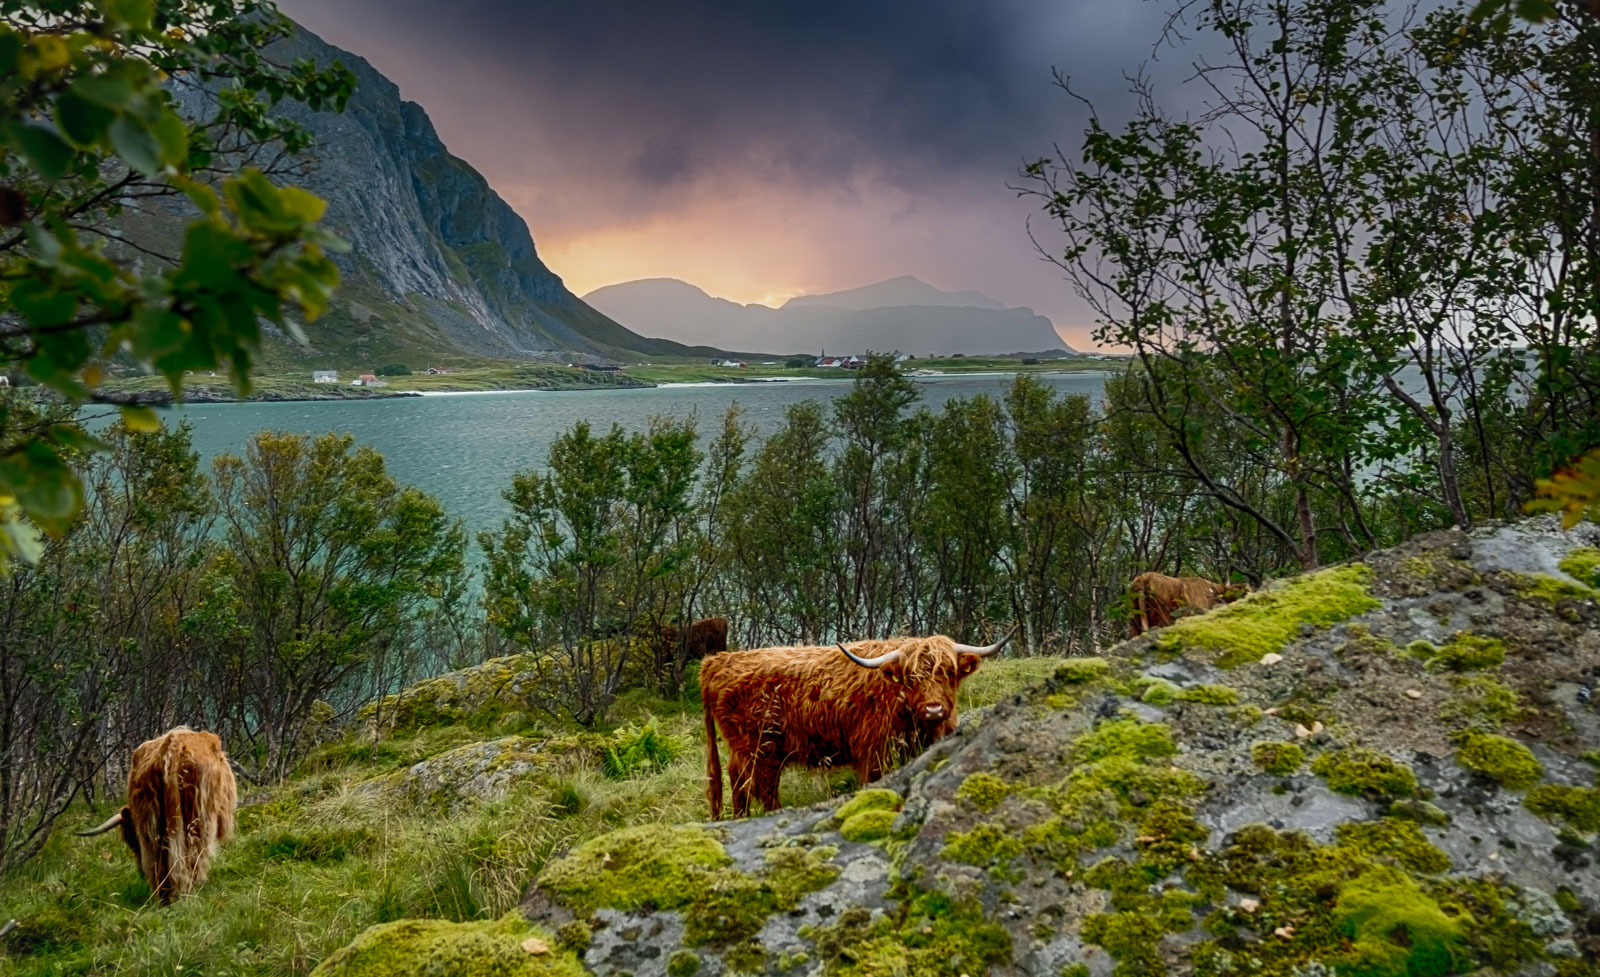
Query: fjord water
[[465, 448]]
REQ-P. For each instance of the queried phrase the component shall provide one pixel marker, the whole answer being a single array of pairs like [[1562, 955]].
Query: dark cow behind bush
[[181, 797], [814, 707], [676, 647]]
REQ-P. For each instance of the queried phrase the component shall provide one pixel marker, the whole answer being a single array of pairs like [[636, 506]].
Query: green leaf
[[18, 539], [47, 152], [173, 136], [42, 305], [74, 437], [137, 145], [141, 420], [83, 121], [10, 50], [135, 13], [43, 485]]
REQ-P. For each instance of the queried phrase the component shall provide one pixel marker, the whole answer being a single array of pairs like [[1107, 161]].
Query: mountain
[[439, 263], [899, 314], [904, 290]]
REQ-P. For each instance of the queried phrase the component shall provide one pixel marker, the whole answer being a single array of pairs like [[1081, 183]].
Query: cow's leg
[[741, 772], [769, 774]]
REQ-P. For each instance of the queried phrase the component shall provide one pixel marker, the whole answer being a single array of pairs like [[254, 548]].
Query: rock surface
[[1147, 815]]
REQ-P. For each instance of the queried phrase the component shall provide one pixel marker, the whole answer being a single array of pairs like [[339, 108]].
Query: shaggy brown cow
[[181, 796], [808, 707], [706, 636], [1158, 600]]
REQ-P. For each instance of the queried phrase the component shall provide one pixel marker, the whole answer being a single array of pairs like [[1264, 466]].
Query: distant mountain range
[[439, 263], [902, 314]]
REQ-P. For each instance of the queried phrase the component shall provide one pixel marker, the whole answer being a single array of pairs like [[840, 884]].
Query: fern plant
[[638, 749]]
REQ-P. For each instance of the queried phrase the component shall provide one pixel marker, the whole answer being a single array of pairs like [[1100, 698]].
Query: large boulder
[[479, 694], [1383, 769]]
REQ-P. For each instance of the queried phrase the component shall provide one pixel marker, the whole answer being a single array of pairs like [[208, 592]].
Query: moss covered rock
[[1348, 810], [477, 696], [506, 947]]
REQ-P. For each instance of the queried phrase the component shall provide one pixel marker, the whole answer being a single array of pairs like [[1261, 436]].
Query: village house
[[734, 364], [368, 380], [438, 371], [324, 376]]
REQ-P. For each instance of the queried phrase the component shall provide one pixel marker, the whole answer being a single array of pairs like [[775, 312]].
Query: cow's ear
[[967, 664]]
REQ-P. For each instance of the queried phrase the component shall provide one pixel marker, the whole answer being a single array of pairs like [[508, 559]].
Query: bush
[[393, 370]]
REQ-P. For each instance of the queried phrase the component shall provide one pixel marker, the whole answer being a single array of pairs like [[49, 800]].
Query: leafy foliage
[[92, 120], [1573, 492]]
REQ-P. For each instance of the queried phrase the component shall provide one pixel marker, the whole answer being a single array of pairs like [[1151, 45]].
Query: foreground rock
[[1386, 769]]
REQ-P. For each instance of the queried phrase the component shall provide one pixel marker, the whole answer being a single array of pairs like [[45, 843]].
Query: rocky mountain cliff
[[901, 314], [439, 263], [1382, 769]]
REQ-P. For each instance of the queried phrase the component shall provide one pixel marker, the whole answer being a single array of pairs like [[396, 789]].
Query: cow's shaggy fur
[[181, 797], [1158, 599], [813, 707]]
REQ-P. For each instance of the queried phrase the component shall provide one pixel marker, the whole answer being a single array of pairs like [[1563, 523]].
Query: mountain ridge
[[927, 320]]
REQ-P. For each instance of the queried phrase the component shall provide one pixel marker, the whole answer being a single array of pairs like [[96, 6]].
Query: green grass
[[324, 856]]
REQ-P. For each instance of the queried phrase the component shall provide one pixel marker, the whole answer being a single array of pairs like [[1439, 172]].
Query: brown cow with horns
[[808, 707], [181, 796]]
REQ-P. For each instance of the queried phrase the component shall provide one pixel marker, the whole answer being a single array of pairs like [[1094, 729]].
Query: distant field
[[559, 376]]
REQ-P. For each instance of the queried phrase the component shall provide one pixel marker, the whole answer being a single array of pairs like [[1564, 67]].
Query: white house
[[735, 364], [324, 376]]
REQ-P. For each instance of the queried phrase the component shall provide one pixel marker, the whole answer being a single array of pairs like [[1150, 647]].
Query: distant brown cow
[[810, 707], [706, 636], [181, 796], [1158, 599]]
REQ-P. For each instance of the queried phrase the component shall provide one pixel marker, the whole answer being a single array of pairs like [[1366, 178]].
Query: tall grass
[[330, 852]]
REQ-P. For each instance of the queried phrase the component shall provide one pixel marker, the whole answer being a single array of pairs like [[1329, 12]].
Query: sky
[[767, 149]]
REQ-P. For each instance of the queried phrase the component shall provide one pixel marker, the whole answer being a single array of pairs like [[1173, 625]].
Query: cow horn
[[988, 650], [878, 662], [112, 822]]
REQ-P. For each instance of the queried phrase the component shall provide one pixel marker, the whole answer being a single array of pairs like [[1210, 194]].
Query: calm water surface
[[465, 448]]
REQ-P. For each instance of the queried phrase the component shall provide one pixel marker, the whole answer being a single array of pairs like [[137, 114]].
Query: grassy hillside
[[347, 843]]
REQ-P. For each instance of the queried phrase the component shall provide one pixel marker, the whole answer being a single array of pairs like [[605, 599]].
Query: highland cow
[[706, 636], [181, 797], [1158, 600], [810, 707]]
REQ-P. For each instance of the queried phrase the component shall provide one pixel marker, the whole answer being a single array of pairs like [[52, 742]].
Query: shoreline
[[206, 395]]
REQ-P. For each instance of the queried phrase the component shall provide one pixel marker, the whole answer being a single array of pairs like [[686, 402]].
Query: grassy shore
[[340, 846], [297, 385]]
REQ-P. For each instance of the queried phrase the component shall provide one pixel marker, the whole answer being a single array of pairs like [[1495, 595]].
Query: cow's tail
[[713, 759], [177, 802]]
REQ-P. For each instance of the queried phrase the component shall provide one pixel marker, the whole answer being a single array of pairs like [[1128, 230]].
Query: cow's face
[[931, 696]]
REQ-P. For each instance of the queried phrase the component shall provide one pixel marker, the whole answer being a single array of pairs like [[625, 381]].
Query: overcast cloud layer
[[760, 150]]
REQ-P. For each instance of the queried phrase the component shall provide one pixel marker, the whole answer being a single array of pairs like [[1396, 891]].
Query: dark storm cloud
[[835, 141], [667, 93]]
